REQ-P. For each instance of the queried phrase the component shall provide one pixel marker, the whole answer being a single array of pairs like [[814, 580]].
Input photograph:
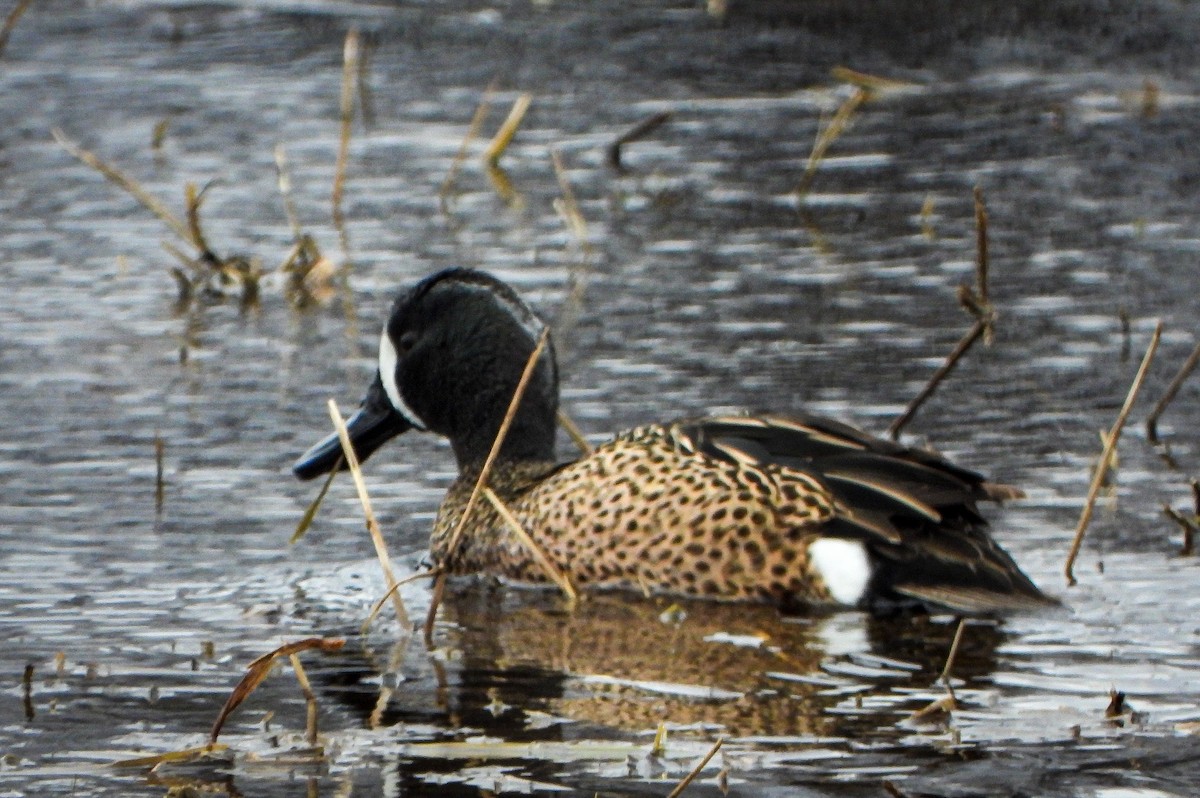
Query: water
[[709, 287]]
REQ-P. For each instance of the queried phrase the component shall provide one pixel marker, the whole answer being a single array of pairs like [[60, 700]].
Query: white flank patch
[[387, 373], [844, 566]]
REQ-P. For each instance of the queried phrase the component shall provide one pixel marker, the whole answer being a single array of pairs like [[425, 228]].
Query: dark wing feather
[[916, 511]]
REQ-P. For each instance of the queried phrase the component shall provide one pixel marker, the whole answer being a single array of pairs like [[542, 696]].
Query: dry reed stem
[[485, 104], [182, 755], [552, 571], [944, 678], [10, 21], [349, 78], [981, 246], [977, 303], [974, 334], [311, 513], [1111, 439], [121, 179], [569, 208], [689, 778], [1168, 396], [285, 192], [638, 131], [360, 484], [866, 81], [192, 200], [452, 547], [159, 482], [504, 136], [829, 134], [501, 434], [310, 699], [574, 432]]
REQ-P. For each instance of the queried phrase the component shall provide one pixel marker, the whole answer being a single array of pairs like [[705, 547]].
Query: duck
[[795, 510]]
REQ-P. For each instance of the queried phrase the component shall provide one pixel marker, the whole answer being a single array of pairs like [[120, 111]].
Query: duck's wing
[[916, 512]]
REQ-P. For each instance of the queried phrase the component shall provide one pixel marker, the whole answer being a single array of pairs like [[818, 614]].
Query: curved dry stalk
[[1106, 455], [485, 104], [130, 185]]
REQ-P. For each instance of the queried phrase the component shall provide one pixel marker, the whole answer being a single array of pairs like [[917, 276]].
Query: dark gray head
[[450, 357]]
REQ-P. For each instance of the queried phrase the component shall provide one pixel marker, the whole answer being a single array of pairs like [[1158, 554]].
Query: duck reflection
[[740, 669]]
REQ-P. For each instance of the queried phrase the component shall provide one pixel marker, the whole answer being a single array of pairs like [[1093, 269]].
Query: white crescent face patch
[[387, 374]]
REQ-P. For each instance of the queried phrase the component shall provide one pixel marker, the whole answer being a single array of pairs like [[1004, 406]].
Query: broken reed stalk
[[1110, 446], [504, 136], [552, 571], [485, 104], [574, 432], [638, 131], [977, 303], [311, 513], [689, 778], [828, 135], [501, 433], [866, 81], [349, 78], [310, 699], [966, 342], [10, 21], [121, 179], [1189, 527], [360, 484], [1168, 396]]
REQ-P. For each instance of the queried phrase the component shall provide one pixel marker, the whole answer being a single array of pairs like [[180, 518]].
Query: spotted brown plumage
[[790, 510]]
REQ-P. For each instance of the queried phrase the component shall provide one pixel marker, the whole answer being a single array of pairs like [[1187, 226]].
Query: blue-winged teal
[[794, 510]]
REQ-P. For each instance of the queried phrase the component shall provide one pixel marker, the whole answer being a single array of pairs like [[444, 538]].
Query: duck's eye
[[407, 341]]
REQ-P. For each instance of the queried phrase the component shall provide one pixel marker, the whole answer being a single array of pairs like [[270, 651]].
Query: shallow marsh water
[[709, 287]]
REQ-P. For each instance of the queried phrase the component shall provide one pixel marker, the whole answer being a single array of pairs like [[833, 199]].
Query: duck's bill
[[373, 425]]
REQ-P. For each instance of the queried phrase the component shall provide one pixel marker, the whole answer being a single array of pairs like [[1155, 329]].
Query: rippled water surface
[[708, 285]]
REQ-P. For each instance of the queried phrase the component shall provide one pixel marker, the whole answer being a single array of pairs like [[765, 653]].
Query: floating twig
[[689, 778], [481, 480], [504, 136], [1168, 396], [552, 571], [1111, 439], [638, 131], [977, 303], [257, 670], [360, 485], [10, 21]]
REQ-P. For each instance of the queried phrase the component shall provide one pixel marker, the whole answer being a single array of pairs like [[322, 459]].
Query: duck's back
[[789, 510]]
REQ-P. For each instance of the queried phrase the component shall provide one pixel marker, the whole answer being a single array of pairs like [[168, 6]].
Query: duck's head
[[450, 357]]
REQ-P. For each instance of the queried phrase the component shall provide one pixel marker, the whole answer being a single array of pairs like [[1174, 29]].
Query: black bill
[[373, 425]]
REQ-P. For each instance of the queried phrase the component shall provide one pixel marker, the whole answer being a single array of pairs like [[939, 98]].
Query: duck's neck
[[530, 439]]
